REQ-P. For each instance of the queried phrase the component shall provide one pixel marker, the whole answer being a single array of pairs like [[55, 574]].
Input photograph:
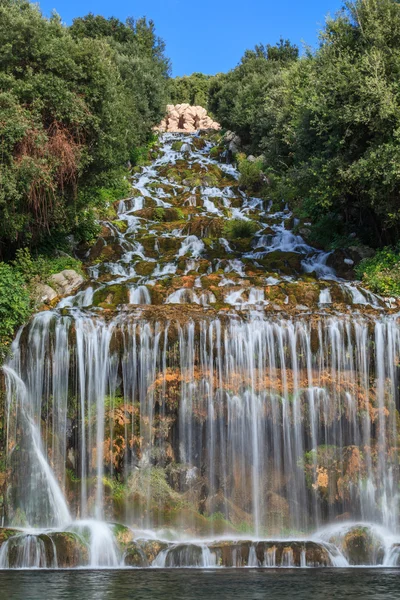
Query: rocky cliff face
[[186, 119]]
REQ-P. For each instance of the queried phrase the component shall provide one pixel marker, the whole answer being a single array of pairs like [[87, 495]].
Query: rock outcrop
[[186, 118], [62, 284], [66, 281]]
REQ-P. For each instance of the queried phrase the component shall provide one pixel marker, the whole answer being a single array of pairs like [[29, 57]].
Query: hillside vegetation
[[76, 105], [327, 127]]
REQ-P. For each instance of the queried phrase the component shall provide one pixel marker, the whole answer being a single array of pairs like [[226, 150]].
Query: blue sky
[[211, 35]]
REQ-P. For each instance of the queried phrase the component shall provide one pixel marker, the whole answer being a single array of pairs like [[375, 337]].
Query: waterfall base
[[95, 544]]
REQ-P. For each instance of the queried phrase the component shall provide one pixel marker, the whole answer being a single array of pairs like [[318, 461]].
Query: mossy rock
[[149, 242], [71, 550], [199, 143], [144, 268], [361, 547], [122, 226], [6, 533], [123, 535], [116, 295], [135, 556], [241, 245], [284, 263], [111, 253], [216, 152], [151, 548], [177, 145]]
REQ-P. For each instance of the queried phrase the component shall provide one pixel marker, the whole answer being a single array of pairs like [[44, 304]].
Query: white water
[[254, 410]]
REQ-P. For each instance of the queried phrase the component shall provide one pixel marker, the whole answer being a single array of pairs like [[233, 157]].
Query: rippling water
[[201, 585]]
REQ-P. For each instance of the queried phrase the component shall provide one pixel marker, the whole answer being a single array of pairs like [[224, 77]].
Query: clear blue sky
[[211, 35]]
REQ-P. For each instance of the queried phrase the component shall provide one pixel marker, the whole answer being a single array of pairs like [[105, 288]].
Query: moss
[[135, 555], [216, 152], [177, 145], [122, 226], [159, 214], [116, 295], [72, 551], [144, 268]]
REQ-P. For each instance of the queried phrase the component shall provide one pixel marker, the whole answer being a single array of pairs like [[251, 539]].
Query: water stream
[[189, 394]]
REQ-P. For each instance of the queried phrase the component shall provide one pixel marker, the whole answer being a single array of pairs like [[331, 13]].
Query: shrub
[[250, 175], [15, 304], [238, 228], [381, 273], [42, 267]]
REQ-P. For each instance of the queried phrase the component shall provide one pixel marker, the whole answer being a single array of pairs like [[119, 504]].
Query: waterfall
[[39, 480], [253, 396], [203, 416]]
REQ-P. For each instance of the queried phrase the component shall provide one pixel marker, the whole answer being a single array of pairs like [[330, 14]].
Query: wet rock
[[270, 553], [71, 550], [361, 547], [135, 556], [151, 548], [62, 550], [344, 260], [185, 555]]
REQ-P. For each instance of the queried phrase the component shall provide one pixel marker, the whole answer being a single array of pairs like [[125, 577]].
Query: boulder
[[66, 281], [362, 547], [44, 294], [187, 119]]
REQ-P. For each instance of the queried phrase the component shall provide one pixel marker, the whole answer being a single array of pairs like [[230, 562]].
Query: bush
[[15, 304], [250, 175], [76, 103], [42, 267], [238, 228], [381, 273]]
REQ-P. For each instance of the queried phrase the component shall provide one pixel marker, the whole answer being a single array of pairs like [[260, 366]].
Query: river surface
[[249, 584]]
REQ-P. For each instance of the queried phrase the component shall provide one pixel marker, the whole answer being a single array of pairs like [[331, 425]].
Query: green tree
[[74, 104], [192, 89]]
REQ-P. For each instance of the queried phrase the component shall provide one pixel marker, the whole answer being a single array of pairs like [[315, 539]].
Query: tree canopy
[[74, 103], [328, 122]]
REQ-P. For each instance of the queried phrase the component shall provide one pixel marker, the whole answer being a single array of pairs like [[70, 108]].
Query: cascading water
[[204, 393]]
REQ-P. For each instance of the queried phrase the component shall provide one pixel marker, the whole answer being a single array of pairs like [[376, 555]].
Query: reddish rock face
[[186, 118]]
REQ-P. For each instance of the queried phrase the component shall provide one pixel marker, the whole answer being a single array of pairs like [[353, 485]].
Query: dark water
[[244, 584]]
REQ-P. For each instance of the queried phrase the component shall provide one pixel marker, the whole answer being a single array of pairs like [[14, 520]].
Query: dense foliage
[[381, 273], [18, 280], [77, 105], [190, 89], [238, 98], [74, 104], [328, 124]]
